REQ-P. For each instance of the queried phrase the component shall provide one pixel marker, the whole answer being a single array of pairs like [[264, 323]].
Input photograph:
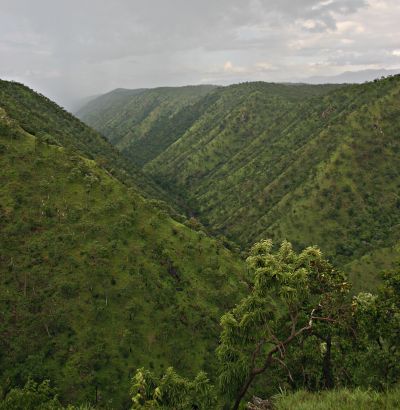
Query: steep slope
[[95, 280], [43, 118], [231, 123], [313, 164], [141, 122], [324, 170]]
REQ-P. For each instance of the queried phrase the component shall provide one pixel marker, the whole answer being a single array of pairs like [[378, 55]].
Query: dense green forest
[[41, 117], [143, 123], [95, 280], [311, 164], [112, 298]]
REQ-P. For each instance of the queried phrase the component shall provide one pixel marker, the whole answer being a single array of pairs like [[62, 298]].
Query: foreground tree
[[376, 347], [171, 391], [292, 293], [292, 296]]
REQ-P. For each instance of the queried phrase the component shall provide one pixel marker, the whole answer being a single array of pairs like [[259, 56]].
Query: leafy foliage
[[291, 291], [172, 391], [297, 305], [290, 295], [377, 347], [32, 396], [36, 396]]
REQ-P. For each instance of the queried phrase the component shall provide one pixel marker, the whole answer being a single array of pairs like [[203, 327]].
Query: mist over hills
[[77, 104], [351, 77]]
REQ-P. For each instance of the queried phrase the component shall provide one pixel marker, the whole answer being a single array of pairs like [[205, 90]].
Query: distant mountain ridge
[[352, 77]]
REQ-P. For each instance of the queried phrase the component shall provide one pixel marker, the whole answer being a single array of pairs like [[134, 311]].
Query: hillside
[[313, 164], [95, 280], [142, 123], [324, 172], [43, 118]]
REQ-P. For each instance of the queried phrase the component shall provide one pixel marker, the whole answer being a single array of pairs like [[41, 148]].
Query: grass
[[343, 399]]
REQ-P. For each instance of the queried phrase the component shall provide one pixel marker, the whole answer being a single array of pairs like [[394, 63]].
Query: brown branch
[[325, 319], [287, 341], [47, 329], [293, 317], [256, 352], [279, 347], [275, 340], [283, 364]]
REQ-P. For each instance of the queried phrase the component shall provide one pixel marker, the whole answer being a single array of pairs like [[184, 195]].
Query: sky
[[70, 49]]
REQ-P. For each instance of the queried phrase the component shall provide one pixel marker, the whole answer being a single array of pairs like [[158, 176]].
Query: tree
[[171, 391], [291, 294], [376, 356], [32, 396]]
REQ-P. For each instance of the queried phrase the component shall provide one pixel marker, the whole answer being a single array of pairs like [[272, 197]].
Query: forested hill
[[48, 122], [313, 164], [95, 280], [144, 122]]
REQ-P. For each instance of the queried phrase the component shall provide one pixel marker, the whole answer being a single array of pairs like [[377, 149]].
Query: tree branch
[[283, 364]]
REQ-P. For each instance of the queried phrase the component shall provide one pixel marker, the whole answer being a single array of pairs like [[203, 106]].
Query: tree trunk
[[327, 365], [243, 391]]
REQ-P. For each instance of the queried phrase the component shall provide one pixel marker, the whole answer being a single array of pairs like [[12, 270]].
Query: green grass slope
[[142, 123], [43, 118], [339, 399], [312, 164], [95, 280], [232, 122], [322, 170]]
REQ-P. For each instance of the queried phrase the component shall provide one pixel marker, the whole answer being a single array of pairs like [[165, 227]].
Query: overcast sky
[[69, 49]]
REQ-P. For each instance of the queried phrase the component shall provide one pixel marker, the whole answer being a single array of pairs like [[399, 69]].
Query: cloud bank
[[70, 49]]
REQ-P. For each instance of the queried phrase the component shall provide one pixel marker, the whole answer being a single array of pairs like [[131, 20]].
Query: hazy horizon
[[72, 50]]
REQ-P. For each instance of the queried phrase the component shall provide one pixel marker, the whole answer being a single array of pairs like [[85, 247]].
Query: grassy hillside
[[43, 118], [95, 280], [312, 164], [324, 170], [143, 123]]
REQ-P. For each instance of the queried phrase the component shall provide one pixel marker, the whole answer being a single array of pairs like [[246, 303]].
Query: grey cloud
[[69, 49]]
